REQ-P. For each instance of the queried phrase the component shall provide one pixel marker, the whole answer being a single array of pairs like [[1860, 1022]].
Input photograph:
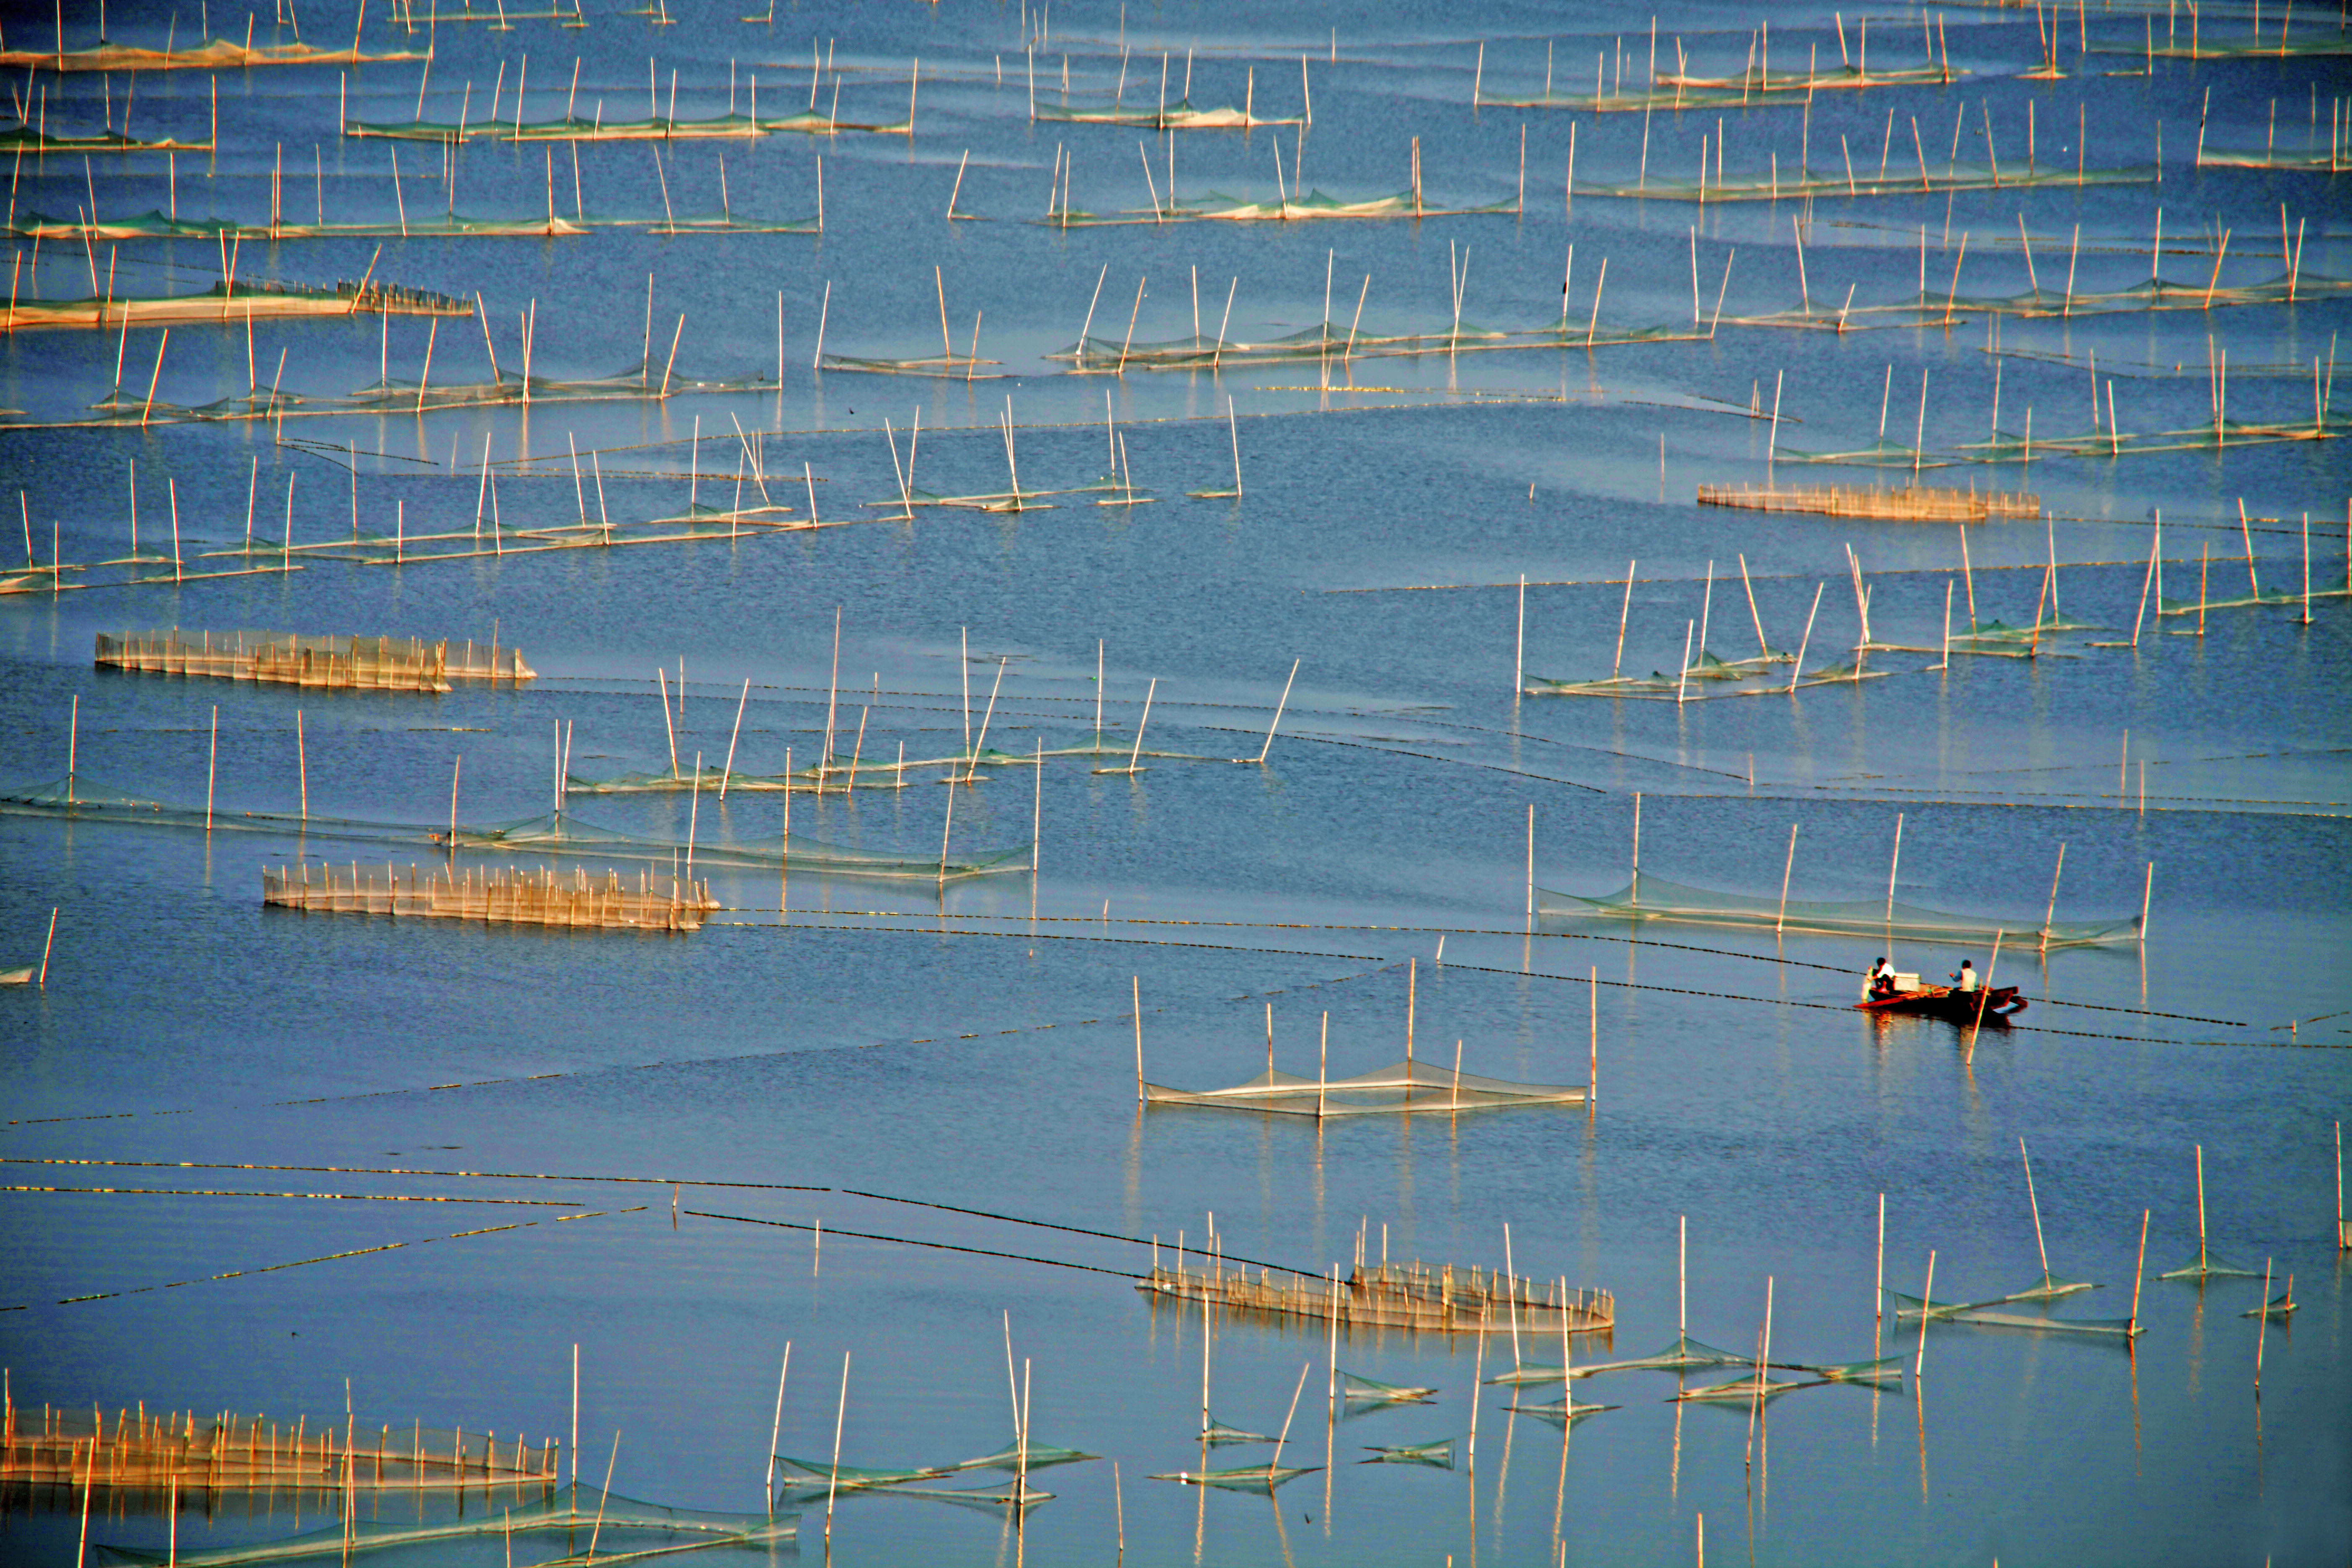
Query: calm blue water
[[972, 1045]]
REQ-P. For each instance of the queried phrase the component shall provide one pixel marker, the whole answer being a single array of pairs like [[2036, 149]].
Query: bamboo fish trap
[[515, 896], [138, 1449], [369, 664], [1439, 1299]]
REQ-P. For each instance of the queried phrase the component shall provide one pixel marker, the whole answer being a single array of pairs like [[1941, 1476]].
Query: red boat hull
[[1994, 1005]]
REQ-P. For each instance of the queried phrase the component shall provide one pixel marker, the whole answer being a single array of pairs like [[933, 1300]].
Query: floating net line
[[216, 55], [1371, 1391], [1400, 1087], [575, 1508], [562, 834], [155, 225], [2281, 1306], [1652, 898], [74, 798], [513, 896], [1177, 116], [1913, 502], [2208, 1268], [1784, 186], [1391, 1295], [385, 664], [1683, 1354], [1438, 1455], [656, 127], [1218, 207], [142, 1448], [2125, 1326], [239, 301], [23, 138], [2246, 48], [2333, 160], [806, 1479], [961, 367]]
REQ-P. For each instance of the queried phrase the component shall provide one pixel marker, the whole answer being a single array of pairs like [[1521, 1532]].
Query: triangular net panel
[[1563, 1410], [1217, 1433], [1239, 1478], [1650, 897], [1400, 1087], [1436, 1456], [1879, 1372], [1683, 1354], [1371, 1391], [822, 1473], [632, 1527], [1741, 1390], [1036, 1456], [2211, 1268]]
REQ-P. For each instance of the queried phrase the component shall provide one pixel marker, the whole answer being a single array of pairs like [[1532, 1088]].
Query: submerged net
[[2124, 1326], [1239, 1479], [1217, 1434], [625, 1521], [1035, 1456], [1753, 1388], [1683, 1354], [1400, 1087], [1564, 1409], [1650, 897], [559, 832], [1371, 1391], [848, 1477], [1437, 1456]]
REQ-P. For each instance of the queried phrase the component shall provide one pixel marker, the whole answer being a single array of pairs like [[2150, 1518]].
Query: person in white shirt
[[1966, 980]]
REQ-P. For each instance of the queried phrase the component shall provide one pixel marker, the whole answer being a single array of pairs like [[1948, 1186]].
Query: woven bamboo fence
[[516, 897], [369, 664], [136, 1447], [1442, 1299], [1915, 503]]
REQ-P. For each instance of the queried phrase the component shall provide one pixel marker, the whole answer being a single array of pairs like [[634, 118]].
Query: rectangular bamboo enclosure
[[1914, 504], [1418, 1296], [369, 664], [136, 1447], [518, 897]]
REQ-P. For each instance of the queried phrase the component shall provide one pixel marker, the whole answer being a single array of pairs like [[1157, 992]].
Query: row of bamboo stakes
[[517, 897], [137, 1448], [1442, 1298], [375, 664], [1924, 503]]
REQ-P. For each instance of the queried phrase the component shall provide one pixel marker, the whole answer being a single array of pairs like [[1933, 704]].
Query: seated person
[[1882, 979], [1965, 981]]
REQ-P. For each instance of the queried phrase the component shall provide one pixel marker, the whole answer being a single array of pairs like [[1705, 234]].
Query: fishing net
[[1177, 116], [1878, 1373], [2207, 1268], [1650, 897], [1563, 1410], [81, 799], [1400, 1087], [1217, 1434], [2280, 1307], [849, 1478], [1750, 1389], [1683, 1354], [624, 1521], [1035, 1456], [1371, 1391], [215, 54], [559, 833], [1239, 1479], [1437, 1456], [2124, 1326]]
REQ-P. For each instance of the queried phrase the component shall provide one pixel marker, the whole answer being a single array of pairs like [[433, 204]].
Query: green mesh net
[[1358, 1390], [1399, 1088], [625, 1525], [1652, 897], [1438, 1456], [1238, 1478]]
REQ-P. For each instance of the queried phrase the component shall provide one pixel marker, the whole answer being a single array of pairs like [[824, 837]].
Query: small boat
[[1990, 1004]]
